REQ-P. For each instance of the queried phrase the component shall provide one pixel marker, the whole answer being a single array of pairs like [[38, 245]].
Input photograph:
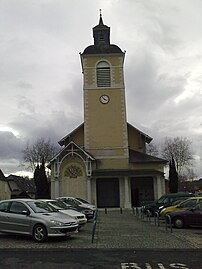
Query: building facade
[[5, 192], [104, 159]]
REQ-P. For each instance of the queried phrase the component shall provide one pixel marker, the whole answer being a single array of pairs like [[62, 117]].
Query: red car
[[189, 217]]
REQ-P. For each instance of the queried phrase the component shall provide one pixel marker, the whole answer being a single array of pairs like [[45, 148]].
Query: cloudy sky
[[40, 71]]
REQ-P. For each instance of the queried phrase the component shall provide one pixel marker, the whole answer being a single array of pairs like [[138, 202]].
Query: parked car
[[198, 193], [186, 204], [34, 218], [84, 202], [80, 202], [188, 217], [62, 207], [165, 201], [86, 208]]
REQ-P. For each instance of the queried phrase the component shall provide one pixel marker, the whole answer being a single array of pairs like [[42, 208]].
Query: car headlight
[[162, 210], [56, 222]]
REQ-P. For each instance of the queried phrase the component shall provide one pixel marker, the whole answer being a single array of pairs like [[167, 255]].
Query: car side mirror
[[25, 212]]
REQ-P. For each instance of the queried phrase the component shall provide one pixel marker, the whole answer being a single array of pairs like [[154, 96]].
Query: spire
[[101, 36], [101, 33], [101, 21]]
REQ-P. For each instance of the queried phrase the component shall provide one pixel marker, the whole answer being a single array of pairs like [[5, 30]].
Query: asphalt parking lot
[[116, 229]]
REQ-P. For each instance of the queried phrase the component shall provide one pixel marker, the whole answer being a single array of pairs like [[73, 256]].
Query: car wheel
[[178, 222], [40, 233]]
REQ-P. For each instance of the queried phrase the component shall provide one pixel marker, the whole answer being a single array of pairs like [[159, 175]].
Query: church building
[[104, 159]]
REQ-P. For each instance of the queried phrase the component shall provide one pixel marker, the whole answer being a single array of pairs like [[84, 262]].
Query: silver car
[[35, 218], [78, 202], [62, 207]]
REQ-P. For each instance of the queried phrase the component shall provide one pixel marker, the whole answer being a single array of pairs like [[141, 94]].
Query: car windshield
[[58, 204], [73, 201], [177, 202], [41, 207], [83, 201], [188, 203], [161, 200]]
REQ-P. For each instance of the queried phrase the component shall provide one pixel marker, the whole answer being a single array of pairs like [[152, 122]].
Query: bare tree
[[180, 149], [189, 174], [41, 150]]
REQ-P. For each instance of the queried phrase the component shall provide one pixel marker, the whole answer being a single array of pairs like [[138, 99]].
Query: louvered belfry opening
[[103, 75]]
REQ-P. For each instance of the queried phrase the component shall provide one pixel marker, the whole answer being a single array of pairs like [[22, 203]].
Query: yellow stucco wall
[[108, 133], [78, 136], [110, 163], [135, 141], [149, 165], [4, 190]]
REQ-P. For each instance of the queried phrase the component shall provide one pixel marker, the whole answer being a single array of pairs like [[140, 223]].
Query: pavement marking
[[130, 265]]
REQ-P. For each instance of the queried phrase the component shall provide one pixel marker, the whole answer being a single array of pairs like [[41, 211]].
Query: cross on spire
[[101, 21]]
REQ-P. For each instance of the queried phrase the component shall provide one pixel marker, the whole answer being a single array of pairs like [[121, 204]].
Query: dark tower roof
[[101, 35]]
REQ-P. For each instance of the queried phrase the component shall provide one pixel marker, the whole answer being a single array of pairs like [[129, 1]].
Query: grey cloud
[[40, 71], [9, 166], [25, 104], [145, 86], [10, 146], [24, 85], [53, 126]]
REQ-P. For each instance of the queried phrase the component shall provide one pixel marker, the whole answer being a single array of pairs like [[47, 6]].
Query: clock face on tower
[[104, 99]]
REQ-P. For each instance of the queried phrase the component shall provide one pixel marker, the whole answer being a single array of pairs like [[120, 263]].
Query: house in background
[[104, 159], [5, 192], [194, 186], [21, 187], [16, 187]]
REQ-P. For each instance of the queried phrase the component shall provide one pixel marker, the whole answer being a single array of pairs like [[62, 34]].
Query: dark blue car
[[189, 217]]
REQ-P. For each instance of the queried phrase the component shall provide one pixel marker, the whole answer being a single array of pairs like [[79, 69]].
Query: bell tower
[[105, 125]]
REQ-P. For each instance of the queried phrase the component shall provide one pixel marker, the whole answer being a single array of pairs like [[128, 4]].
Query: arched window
[[103, 74]]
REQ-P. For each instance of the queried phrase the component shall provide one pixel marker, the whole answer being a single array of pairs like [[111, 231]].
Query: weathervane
[[100, 12]]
